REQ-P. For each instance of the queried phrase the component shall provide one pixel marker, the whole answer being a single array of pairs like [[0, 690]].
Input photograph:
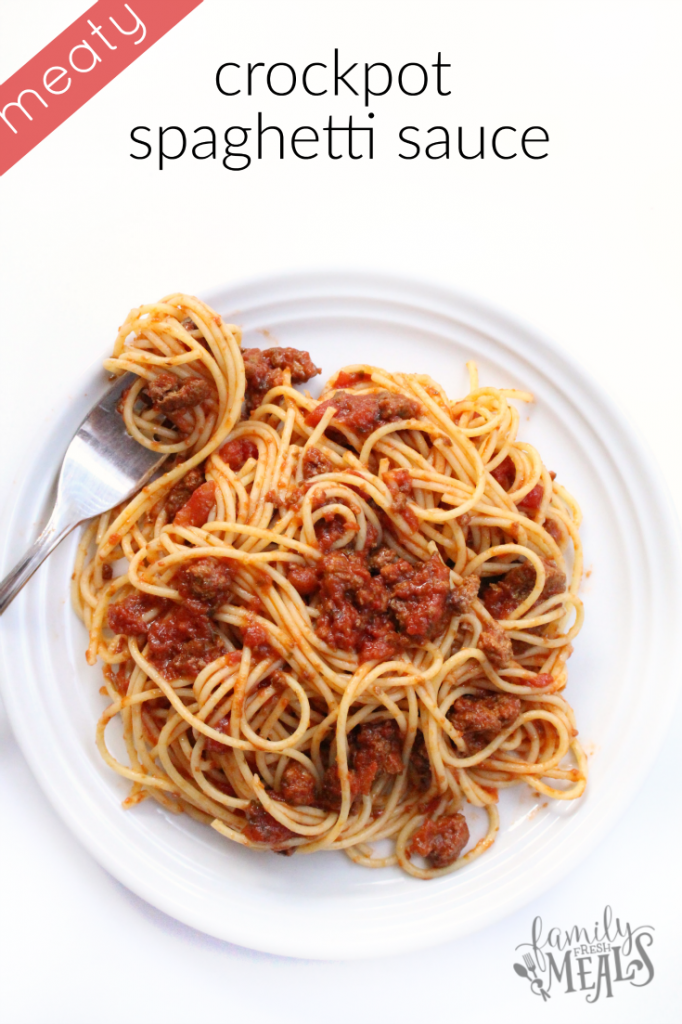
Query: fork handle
[[62, 522]]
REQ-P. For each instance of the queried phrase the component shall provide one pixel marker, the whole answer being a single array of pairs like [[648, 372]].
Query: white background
[[584, 245]]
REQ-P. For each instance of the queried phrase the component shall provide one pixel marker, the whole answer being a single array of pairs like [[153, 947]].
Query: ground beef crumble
[[131, 616], [204, 583], [237, 451], [215, 746], [481, 718], [316, 462], [331, 527], [505, 473], [256, 636], [264, 368], [496, 645], [399, 483], [170, 393], [183, 490], [463, 594], [349, 380], [502, 598], [183, 642], [440, 841], [420, 765], [263, 828], [375, 748], [304, 579], [364, 412], [298, 785], [198, 507], [377, 614]]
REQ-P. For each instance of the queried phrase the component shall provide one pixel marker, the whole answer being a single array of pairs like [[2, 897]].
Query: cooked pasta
[[333, 621]]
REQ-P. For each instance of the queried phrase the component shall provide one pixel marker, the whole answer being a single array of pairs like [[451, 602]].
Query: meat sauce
[[541, 680], [131, 617], [171, 394], [553, 529], [237, 452], [315, 462], [215, 746], [183, 642], [533, 500], [419, 596], [197, 509], [374, 603], [363, 413], [298, 785], [348, 380], [183, 490], [502, 598], [374, 749], [255, 636], [496, 645], [263, 828], [331, 528], [505, 474], [399, 483], [420, 765], [481, 718], [440, 841], [463, 594], [204, 583], [377, 612], [304, 579], [264, 368], [182, 639]]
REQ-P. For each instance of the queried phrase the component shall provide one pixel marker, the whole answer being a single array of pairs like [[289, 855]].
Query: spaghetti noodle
[[330, 621]]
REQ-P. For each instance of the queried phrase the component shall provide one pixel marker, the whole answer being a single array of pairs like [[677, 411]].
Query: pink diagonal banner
[[84, 58]]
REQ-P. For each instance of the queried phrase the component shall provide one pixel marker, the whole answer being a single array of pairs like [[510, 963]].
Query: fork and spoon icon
[[535, 982]]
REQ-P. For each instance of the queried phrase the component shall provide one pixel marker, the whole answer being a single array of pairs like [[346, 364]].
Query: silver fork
[[103, 466]]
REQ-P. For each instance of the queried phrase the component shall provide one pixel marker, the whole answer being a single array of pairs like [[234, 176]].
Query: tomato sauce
[[197, 509]]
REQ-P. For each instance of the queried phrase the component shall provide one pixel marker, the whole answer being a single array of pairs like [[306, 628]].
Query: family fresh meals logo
[[590, 960]]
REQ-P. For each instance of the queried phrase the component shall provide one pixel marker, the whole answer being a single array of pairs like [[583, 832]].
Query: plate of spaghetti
[[327, 707]]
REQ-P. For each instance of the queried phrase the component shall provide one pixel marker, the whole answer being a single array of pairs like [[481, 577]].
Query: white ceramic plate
[[324, 906]]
